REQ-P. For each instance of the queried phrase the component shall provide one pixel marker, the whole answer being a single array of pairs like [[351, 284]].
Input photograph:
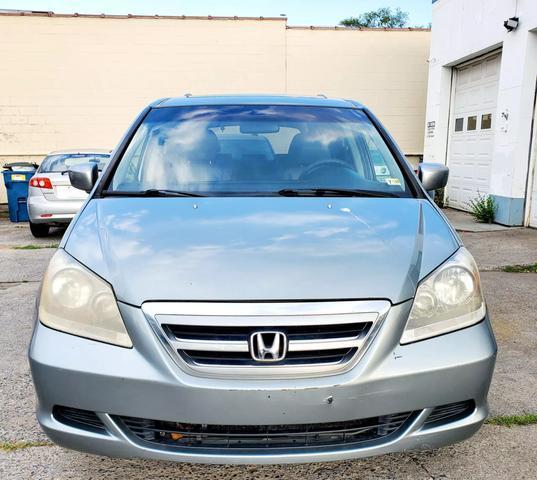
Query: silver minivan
[[260, 279]]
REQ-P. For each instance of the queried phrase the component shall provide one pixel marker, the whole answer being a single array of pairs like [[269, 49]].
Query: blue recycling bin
[[16, 179]]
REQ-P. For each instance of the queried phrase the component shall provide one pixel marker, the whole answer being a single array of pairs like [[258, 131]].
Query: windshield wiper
[[332, 192], [152, 192]]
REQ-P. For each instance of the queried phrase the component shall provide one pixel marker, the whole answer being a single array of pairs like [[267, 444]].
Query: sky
[[298, 12]]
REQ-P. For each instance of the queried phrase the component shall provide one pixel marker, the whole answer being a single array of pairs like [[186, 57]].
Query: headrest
[[296, 145], [305, 151], [207, 146]]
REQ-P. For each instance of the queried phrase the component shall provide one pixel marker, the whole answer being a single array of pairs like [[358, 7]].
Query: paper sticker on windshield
[[393, 181], [381, 170]]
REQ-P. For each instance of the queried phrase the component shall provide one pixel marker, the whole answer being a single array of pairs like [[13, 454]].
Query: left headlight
[[449, 299], [75, 300]]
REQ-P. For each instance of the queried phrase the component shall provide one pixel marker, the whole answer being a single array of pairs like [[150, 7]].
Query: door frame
[[532, 159]]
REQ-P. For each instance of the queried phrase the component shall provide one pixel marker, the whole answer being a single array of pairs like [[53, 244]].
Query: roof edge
[[359, 29], [39, 13], [35, 13], [258, 99]]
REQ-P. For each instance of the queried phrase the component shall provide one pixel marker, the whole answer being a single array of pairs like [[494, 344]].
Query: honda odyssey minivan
[[260, 279]]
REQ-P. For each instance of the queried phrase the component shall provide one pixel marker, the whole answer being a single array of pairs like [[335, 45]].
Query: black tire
[[39, 230]]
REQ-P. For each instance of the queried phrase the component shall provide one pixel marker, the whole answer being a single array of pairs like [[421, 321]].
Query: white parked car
[[51, 198]]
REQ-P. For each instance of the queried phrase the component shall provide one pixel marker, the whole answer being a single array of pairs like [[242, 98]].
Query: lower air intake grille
[[187, 435], [449, 413], [75, 417]]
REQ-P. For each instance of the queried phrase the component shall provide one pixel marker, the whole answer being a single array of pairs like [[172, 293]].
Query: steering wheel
[[327, 165]]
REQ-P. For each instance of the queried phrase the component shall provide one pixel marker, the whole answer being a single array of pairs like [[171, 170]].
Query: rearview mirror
[[259, 127], [433, 176], [83, 176]]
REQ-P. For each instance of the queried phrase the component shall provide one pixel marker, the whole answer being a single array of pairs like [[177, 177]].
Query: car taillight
[[41, 182]]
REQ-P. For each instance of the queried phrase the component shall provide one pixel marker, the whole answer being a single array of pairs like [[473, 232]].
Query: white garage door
[[472, 130]]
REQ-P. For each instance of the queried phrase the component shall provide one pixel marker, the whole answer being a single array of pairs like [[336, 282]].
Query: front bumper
[[145, 382]]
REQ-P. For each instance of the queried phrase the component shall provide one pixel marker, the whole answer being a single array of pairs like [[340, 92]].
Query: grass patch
[[35, 247], [513, 420], [529, 268], [12, 446]]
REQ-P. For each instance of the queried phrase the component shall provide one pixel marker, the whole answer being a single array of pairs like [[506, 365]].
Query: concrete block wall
[[384, 69], [78, 81]]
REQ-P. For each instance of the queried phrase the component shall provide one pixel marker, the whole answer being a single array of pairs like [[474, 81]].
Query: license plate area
[[68, 192]]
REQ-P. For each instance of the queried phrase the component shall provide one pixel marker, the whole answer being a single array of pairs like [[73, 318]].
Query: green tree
[[383, 17]]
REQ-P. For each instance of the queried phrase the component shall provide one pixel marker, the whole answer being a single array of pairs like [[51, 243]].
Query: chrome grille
[[213, 338]]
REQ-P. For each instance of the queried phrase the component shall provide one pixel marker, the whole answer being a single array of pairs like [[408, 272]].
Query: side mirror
[[83, 176], [433, 176]]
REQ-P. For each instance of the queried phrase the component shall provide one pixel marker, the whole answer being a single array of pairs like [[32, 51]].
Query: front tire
[[39, 230]]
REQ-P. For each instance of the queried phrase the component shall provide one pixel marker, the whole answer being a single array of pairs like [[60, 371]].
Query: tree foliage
[[382, 18]]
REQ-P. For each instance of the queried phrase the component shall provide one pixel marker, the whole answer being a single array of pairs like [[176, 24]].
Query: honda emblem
[[266, 346]]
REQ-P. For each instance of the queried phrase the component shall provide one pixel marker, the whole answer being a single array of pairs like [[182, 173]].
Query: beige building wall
[[78, 81], [386, 70]]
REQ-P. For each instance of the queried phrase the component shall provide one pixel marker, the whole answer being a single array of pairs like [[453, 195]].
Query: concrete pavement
[[464, 222], [494, 246]]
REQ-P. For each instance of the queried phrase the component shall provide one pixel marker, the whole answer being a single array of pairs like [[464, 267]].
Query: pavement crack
[[13, 446], [19, 281], [513, 420], [422, 467], [32, 246], [16, 283]]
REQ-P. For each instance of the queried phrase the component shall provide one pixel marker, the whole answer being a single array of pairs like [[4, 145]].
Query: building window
[[459, 123], [486, 121], [472, 123]]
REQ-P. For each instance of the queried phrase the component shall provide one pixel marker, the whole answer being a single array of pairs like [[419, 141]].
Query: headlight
[[75, 300], [448, 299]]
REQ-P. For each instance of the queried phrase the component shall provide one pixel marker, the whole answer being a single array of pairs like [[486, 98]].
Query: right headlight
[[449, 299], [75, 300]]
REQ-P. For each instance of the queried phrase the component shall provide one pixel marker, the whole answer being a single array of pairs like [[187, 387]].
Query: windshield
[[62, 162], [257, 150]]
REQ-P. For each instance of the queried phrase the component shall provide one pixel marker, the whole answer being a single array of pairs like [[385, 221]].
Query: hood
[[261, 248]]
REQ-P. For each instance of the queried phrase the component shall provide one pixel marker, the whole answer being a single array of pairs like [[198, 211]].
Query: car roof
[[100, 151], [310, 101]]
